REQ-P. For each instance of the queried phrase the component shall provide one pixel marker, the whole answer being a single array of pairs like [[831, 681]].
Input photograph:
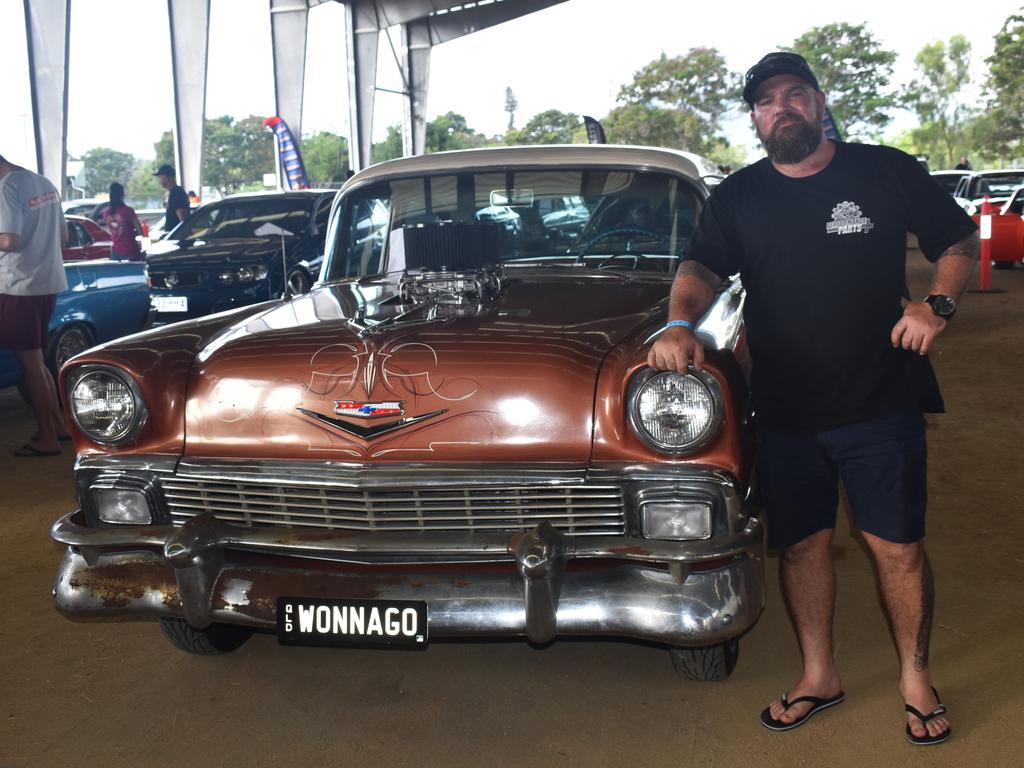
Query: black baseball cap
[[165, 170], [776, 63]]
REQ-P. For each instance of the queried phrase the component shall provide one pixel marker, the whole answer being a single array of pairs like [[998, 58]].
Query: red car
[[86, 240], [1007, 230]]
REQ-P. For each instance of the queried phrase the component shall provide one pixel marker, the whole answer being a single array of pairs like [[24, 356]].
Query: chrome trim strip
[[351, 475], [363, 476], [156, 462]]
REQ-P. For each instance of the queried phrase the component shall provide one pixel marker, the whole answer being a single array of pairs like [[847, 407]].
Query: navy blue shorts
[[882, 463]]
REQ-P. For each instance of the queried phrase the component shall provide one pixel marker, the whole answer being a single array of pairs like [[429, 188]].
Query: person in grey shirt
[[32, 230]]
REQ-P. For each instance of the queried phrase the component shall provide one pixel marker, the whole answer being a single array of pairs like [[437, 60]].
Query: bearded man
[[839, 377]]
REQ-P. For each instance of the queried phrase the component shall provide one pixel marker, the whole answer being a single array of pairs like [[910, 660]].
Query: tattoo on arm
[[924, 631], [968, 248], [955, 266], [701, 272]]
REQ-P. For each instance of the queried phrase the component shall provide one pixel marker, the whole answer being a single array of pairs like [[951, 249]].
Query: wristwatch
[[943, 306]]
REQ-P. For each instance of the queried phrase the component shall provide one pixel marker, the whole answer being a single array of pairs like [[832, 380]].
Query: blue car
[[240, 250], [104, 300]]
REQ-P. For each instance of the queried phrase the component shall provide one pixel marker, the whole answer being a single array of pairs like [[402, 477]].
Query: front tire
[[298, 282], [65, 344], [709, 663], [215, 640]]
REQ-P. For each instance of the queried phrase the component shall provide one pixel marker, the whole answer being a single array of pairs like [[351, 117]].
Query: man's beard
[[789, 144]]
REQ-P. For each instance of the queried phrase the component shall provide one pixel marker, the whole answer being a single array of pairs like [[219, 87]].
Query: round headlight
[[171, 279], [106, 406], [227, 276], [675, 413], [246, 274]]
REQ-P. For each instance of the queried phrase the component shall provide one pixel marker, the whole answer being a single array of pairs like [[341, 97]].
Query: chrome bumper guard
[[200, 572]]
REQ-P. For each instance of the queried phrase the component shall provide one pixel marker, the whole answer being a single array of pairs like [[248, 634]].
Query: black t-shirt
[[176, 198], [823, 260]]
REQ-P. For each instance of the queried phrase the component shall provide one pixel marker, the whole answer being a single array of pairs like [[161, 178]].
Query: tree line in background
[[680, 102]]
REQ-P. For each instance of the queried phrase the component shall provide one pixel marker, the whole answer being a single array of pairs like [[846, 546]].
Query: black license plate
[[333, 622]]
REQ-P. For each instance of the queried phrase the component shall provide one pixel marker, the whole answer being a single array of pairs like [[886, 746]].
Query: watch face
[[943, 306]]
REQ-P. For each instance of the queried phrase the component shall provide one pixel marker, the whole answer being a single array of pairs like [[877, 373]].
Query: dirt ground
[[119, 695]]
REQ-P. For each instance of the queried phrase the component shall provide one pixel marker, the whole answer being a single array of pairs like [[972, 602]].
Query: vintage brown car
[[455, 433]]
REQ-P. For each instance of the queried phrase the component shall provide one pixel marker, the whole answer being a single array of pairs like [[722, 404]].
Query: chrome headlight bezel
[[710, 386], [126, 436]]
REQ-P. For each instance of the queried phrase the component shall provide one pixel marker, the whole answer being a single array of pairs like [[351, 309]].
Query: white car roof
[[546, 156]]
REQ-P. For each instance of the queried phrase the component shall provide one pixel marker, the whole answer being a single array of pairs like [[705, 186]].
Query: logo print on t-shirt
[[848, 220]]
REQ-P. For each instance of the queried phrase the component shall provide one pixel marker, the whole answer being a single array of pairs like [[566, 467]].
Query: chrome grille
[[576, 508]]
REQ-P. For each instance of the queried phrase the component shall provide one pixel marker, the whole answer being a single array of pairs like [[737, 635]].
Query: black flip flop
[[772, 724], [927, 739], [28, 451]]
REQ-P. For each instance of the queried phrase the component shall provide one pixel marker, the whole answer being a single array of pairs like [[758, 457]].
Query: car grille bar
[[579, 509]]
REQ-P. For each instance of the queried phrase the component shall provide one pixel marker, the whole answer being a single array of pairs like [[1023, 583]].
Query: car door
[[73, 250], [1008, 230], [99, 245]]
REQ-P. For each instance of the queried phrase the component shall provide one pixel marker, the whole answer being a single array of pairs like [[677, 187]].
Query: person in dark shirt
[[839, 377], [177, 197]]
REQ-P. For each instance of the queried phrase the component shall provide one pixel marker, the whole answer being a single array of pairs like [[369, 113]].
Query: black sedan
[[240, 250]]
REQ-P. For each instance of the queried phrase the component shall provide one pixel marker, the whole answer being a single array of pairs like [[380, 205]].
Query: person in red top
[[123, 225]]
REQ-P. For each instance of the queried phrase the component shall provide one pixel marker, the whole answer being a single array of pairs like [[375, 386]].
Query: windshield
[[247, 217], [996, 185], [597, 217]]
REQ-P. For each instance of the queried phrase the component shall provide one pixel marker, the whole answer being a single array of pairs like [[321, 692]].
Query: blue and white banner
[[288, 153]]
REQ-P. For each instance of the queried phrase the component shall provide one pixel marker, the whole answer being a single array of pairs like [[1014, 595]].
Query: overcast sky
[[572, 57]]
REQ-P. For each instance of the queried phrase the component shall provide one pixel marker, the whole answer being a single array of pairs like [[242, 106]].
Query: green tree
[[943, 70], [326, 158], [144, 189], [389, 148], [450, 131], [104, 166], [676, 102], [164, 149], [549, 127], [1005, 87], [854, 71], [236, 153]]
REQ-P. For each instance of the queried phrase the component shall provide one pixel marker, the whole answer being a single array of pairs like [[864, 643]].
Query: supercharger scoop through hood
[[352, 373]]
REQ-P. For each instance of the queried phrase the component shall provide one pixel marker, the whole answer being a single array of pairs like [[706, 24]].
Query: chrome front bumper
[[540, 583]]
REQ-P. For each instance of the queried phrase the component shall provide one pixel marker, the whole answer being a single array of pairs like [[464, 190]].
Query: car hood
[[350, 373], [212, 254]]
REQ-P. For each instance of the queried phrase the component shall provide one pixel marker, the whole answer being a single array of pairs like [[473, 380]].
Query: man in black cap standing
[[817, 232], [177, 197]]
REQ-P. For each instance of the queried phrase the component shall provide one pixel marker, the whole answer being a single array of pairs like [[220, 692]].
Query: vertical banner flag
[[595, 133], [288, 153], [831, 129]]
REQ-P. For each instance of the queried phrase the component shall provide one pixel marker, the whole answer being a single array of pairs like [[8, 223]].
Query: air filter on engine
[[444, 246]]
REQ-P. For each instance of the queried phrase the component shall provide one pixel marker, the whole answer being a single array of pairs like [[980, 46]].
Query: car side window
[[320, 218], [366, 233], [77, 236]]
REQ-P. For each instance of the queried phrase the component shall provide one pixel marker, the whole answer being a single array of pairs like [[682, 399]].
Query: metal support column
[[416, 48], [288, 27], [48, 33], [190, 38], [362, 33]]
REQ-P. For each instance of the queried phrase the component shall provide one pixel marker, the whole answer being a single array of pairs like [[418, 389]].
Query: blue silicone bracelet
[[683, 323]]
